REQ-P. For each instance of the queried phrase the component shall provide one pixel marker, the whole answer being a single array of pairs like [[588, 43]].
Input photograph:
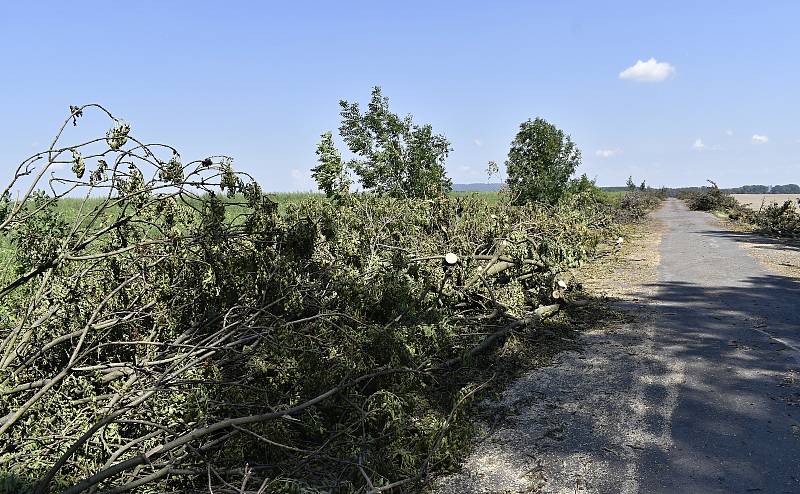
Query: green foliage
[[330, 174], [635, 204], [394, 156], [630, 184], [750, 189], [323, 342], [585, 186], [785, 189], [492, 169], [709, 199], [540, 162], [782, 220], [117, 136]]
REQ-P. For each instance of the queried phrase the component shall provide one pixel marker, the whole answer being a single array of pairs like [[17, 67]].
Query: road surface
[[700, 395]]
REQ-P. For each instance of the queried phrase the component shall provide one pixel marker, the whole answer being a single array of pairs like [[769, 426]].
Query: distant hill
[[477, 187]]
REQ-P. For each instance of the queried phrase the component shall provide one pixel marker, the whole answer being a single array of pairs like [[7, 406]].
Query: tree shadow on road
[[702, 394], [776, 243]]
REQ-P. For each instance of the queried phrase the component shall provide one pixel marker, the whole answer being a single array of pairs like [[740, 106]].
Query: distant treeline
[[766, 189], [671, 191], [745, 189]]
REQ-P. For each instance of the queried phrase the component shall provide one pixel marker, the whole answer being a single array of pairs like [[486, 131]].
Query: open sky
[[669, 92]]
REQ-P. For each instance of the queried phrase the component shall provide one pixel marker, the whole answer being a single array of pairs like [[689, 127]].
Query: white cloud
[[729, 132], [606, 153], [760, 139], [699, 145], [478, 142], [649, 71]]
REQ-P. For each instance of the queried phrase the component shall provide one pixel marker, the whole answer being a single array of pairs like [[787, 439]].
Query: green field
[[70, 206]]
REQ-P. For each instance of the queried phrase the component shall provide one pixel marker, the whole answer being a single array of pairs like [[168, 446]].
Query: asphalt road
[[701, 395], [735, 426]]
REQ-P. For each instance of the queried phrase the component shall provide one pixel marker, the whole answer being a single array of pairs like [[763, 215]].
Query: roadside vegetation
[[168, 326], [773, 218]]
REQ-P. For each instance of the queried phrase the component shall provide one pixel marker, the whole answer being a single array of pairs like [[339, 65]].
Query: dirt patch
[[782, 257], [622, 273]]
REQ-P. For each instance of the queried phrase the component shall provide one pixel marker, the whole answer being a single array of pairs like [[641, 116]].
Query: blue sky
[[261, 81]]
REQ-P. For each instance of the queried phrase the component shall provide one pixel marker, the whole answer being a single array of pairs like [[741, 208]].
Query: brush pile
[[173, 332]]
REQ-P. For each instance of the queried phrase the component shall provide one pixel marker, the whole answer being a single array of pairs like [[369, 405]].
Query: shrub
[[634, 205], [781, 220], [709, 199], [540, 162]]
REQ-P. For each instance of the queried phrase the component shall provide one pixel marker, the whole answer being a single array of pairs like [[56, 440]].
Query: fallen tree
[[166, 328]]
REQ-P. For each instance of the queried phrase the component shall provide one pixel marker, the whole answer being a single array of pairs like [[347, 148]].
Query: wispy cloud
[[649, 71], [760, 139], [699, 145], [606, 153], [729, 132], [478, 142]]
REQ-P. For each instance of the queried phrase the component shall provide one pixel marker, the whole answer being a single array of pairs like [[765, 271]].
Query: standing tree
[[643, 187], [630, 184], [394, 156], [331, 175], [540, 162]]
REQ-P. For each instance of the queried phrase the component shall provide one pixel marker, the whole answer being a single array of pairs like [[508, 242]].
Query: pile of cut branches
[[634, 205], [709, 199], [172, 331], [780, 220]]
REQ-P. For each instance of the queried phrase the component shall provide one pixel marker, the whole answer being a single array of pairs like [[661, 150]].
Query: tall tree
[[393, 155], [330, 174], [540, 162]]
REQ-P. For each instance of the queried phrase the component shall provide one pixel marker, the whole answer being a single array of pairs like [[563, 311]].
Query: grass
[[70, 206]]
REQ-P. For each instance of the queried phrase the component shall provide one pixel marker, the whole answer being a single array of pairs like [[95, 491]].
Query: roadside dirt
[[557, 424], [697, 392], [624, 274], [779, 255]]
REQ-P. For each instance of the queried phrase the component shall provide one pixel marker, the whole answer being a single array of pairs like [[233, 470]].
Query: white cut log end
[[450, 258]]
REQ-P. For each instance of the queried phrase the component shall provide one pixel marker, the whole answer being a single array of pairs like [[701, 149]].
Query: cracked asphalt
[[700, 395]]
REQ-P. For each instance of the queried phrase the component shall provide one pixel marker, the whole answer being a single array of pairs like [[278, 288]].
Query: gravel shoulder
[[700, 393], [563, 426], [779, 255]]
